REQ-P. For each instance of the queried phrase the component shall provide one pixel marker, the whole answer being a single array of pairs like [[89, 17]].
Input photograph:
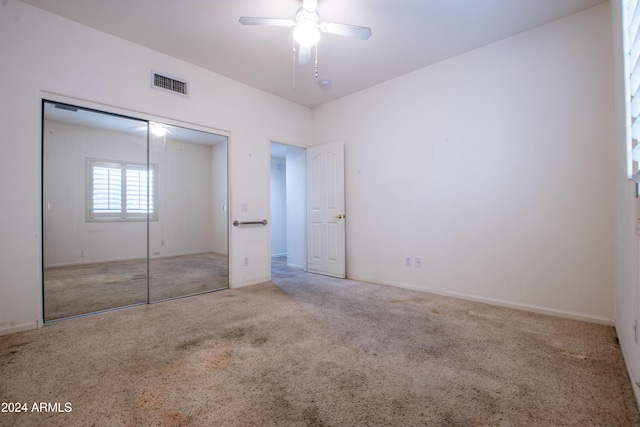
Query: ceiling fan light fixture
[[306, 34]]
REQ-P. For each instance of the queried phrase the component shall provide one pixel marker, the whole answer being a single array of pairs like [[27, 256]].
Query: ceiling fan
[[307, 28]]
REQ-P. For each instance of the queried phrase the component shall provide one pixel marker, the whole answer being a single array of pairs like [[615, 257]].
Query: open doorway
[[287, 210]]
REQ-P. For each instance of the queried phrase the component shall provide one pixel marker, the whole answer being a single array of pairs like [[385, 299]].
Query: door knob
[[339, 216]]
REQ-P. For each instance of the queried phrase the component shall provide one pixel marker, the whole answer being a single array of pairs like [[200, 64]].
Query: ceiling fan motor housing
[[303, 15], [306, 32]]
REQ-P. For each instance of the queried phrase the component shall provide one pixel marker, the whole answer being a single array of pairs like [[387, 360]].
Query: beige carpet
[[318, 351], [87, 288]]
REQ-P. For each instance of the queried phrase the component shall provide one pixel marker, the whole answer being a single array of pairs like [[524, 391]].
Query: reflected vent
[[164, 82], [65, 107]]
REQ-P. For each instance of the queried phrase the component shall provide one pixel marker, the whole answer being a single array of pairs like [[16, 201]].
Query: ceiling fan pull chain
[[316, 61]]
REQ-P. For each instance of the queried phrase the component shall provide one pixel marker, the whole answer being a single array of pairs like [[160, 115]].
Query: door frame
[[303, 208]]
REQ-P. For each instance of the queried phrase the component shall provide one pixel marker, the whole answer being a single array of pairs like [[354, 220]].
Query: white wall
[[288, 203], [296, 207], [43, 54], [627, 248], [278, 200], [496, 168], [219, 199], [185, 180]]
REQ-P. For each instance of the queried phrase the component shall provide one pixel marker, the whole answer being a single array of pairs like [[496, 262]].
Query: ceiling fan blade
[[346, 30], [310, 5], [304, 54], [272, 22]]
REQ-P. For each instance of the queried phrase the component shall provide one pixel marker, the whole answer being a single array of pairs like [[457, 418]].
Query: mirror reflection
[[188, 240], [133, 211]]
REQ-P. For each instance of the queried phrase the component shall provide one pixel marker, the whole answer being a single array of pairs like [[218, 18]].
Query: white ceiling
[[407, 35]]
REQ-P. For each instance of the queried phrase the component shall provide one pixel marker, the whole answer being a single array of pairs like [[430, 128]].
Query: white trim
[[250, 282], [20, 328], [135, 114], [635, 382], [297, 267], [286, 143], [497, 302]]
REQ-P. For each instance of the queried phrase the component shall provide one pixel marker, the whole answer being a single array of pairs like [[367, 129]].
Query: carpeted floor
[[87, 288], [317, 351]]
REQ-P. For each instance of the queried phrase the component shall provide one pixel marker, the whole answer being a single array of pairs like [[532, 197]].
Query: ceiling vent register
[[168, 83]]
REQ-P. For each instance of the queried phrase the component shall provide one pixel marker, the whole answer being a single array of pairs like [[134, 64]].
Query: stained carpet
[[316, 351], [87, 288]]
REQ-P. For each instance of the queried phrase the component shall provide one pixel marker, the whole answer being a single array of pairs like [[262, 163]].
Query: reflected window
[[120, 191]]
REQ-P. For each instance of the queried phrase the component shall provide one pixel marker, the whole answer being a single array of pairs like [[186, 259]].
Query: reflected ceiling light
[[157, 129], [306, 34]]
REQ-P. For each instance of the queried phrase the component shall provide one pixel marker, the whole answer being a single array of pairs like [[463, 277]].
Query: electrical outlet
[[407, 261], [246, 261], [418, 262]]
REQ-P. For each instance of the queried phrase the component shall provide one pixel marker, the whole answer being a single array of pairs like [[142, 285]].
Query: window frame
[[123, 215]]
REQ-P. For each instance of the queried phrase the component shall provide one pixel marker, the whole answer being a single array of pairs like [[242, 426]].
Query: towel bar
[[237, 223]]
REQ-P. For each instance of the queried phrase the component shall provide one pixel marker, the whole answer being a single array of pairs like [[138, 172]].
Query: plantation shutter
[[139, 193], [106, 181], [633, 75], [121, 191]]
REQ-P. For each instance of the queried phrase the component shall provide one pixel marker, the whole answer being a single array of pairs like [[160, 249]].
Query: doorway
[[133, 211], [287, 205]]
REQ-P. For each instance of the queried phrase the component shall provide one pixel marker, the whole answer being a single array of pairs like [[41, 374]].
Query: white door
[[325, 210]]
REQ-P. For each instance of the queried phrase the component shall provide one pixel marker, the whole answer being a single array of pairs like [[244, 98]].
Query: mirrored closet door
[[133, 211], [94, 240], [188, 238]]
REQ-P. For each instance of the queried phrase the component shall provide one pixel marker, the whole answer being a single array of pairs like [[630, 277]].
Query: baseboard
[[635, 382], [75, 264], [249, 283], [278, 255], [152, 257], [19, 328], [501, 303]]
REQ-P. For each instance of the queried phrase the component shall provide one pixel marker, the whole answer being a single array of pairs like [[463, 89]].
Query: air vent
[[164, 82], [65, 107]]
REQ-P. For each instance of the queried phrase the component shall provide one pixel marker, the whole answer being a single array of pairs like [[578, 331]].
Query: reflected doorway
[[133, 211]]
